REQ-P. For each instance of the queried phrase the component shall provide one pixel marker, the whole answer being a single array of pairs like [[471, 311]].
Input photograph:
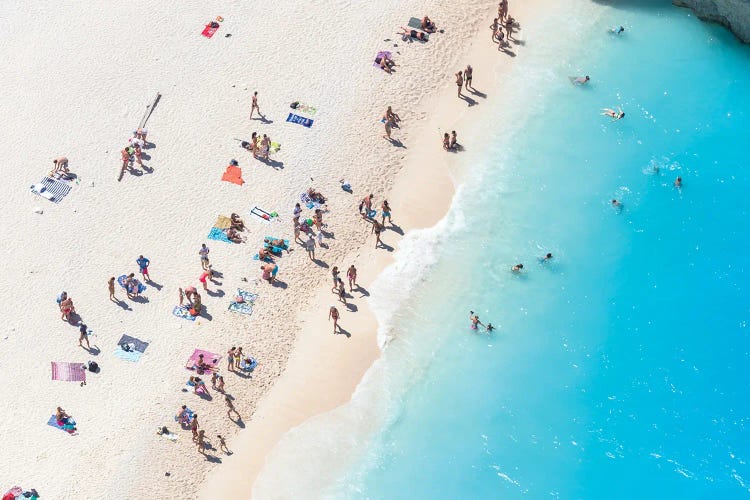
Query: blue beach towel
[[274, 249], [218, 235], [52, 422], [300, 120], [245, 307], [415, 23], [132, 356], [141, 287], [183, 312], [267, 259]]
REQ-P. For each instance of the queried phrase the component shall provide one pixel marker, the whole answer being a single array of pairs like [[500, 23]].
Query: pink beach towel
[[209, 358], [68, 372]]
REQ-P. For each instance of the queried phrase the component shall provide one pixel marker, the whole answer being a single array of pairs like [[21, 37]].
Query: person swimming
[[546, 257], [581, 80], [615, 115], [617, 30], [678, 182], [517, 268], [489, 327]]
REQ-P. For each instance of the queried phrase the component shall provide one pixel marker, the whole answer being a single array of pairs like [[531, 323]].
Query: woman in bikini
[[459, 81], [413, 34], [446, 142], [67, 308]]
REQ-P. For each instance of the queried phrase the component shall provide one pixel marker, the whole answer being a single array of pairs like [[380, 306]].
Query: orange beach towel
[[233, 175]]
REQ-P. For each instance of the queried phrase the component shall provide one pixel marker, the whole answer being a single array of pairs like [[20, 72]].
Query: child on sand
[[231, 409], [111, 285], [223, 444]]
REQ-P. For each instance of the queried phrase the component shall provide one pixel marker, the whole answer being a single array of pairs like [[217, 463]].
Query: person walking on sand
[[203, 252], [255, 106], [230, 359], [310, 246], [366, 203], [84, 335], [125, 161], [467, 76], [392, 117], [351, 273], [459, 82], [194, 426], [335, 275], [377, 229], [205, 276], [342, 291], [231, 409], [333, 314], [387, 130], [201, 441], [111, 286], [386, 212], [223, 444], [143, 264]]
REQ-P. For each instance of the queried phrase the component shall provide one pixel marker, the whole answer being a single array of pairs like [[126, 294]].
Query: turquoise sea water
[[619, 369]]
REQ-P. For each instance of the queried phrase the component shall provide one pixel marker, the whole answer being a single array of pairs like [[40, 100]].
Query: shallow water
[[619, 368]]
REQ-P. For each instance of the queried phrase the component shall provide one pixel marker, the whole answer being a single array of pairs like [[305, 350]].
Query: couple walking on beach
[[463, 79]]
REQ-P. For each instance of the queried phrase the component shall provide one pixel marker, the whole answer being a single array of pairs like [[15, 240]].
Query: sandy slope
[[77, 80]]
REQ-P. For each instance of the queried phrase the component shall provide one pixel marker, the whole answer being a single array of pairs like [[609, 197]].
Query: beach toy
[[309, 222], [274, 214], [265, 216], [219, 18]]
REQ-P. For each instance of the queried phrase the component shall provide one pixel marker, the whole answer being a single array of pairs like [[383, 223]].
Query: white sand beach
[[79, 78]]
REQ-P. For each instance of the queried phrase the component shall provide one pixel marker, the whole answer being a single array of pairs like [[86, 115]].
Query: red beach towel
[[68, 372], [209, 31]]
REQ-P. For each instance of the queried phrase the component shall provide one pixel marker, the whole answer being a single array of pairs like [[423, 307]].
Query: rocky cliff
[[734, 14]]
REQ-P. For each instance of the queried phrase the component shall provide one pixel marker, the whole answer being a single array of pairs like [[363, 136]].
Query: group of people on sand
[[66, 306], [390, 120], [259, 146], [132, 152], [463, 78], [450, 142], [503, 20]]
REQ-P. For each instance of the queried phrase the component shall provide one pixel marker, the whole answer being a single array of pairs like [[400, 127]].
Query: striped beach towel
[[52, 189], [68, 372]]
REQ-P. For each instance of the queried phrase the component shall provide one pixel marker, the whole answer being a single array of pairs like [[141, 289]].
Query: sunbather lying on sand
[[385, 62], [237, 222], [413, 34], [316, 196], [275, 243], [234, 236]]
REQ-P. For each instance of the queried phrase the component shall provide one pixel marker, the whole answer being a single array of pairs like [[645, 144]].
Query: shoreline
[[297, 395]]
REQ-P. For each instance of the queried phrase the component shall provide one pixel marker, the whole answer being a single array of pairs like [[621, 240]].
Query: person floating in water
[[474, 320], [581, 80], [617, 30], [678, 182], [615, 115], [489, 327], [546, 257], [517, 268], [617, 204]]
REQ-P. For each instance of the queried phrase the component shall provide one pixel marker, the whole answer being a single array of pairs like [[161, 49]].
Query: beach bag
[[93, 366]]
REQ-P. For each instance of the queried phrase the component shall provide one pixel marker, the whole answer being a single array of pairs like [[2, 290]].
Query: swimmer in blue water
[[615, 115], [678, 182], [546, 257], [617, 30], [474, 320], [517, 268], [489, 327]]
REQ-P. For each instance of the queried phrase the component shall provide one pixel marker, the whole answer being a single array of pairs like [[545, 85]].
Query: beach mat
[[134, 343], [121, 280], [210, 31], [68, 427], [218, 235], [223, 222], [262, 215], [233, 174], [209, 358], [183, 312], [415, 23], [245, 307], [68, 372], [300, 120], [305, 109], [51, 189]]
